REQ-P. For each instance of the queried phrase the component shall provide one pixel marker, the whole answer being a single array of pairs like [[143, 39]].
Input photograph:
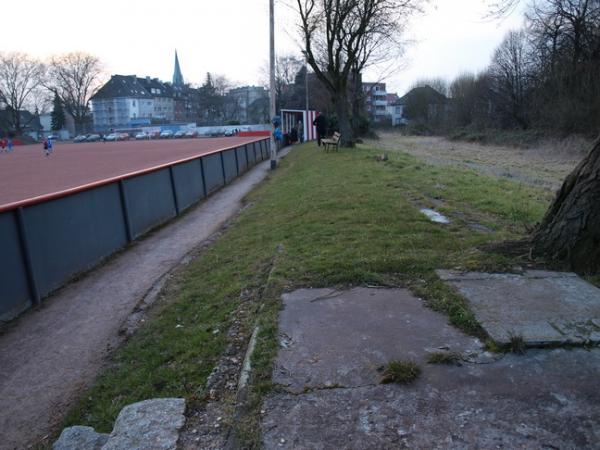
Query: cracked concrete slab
[[339, 338], [544, 308], [332, 340], [545, 400]]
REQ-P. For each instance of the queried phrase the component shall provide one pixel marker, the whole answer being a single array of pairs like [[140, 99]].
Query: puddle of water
[[435, 216]]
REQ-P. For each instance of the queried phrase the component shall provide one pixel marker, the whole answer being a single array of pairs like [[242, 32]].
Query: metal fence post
[[203, 177], [174, 190], [125, 209], [31, 280], [223, 168], [237, 164]]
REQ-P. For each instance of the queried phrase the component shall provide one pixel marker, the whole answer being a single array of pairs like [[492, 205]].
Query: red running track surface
[[27, 173]]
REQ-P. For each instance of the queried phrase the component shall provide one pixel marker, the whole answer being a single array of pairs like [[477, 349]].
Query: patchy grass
[[517, 345], [448, 358], [493, 346], [335, 219], [545, 164], [594, 279], [401, 372]]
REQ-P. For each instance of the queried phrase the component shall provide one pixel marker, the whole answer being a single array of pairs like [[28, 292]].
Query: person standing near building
[[300, 127], [321, 123]]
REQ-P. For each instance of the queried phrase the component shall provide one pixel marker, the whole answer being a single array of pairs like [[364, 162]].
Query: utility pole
[[273, 112], [306, 125]]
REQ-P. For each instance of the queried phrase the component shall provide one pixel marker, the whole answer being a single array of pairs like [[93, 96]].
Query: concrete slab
[[545, 308], [332, 341], [547, 399], [340, 338]]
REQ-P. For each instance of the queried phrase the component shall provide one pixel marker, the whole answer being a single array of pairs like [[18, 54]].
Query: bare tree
[[20, 77], [287, 68], [511, 73], [40, 100], [502, 8], [343, 37], [75, 78], [570, 229]]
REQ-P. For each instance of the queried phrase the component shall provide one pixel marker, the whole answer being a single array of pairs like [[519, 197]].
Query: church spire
[[177, 76]]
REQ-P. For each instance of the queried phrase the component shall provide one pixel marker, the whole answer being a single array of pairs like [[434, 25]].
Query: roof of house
[[122, 86], [372, 83], [160, 89], [427, 92], [392, 98], [28, 120]]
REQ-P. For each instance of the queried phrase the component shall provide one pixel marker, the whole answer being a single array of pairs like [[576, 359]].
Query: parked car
[[179, 134], [191, 134], [154, 134], [80, 138], [141, 136], [167, 134], [123, 136], [228, 133], [93, 138], [111, 137]]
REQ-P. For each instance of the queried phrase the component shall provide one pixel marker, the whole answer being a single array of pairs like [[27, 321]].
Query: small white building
[[291, 117], [67, 131]]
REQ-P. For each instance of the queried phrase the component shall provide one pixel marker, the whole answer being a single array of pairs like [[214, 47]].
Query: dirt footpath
[[545, 165], [51, 354]]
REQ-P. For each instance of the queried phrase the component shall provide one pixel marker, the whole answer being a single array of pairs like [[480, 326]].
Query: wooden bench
[[333, 142]]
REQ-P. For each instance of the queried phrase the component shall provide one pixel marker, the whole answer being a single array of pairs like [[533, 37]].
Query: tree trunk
[[343, 116], [570, 230]]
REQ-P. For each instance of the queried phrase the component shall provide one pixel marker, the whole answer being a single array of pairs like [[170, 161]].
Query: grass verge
[[336, 219]]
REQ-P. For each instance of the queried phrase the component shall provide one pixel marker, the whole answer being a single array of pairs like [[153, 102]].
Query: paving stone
[[544, 308], [435, 216], [340, 338], [80, 438], [335, 340], [148, 425], [544, 399]]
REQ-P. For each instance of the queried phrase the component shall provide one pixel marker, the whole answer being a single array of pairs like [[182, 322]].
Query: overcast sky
[[230, 37]]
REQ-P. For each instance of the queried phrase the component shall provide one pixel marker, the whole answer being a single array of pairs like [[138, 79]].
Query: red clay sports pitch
[[27, 173]]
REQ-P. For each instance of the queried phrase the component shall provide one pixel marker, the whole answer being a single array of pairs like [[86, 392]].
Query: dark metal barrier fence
[[46, 242]]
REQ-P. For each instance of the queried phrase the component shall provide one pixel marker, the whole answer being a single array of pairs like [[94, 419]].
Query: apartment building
[[375, 97], [123, 100]]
